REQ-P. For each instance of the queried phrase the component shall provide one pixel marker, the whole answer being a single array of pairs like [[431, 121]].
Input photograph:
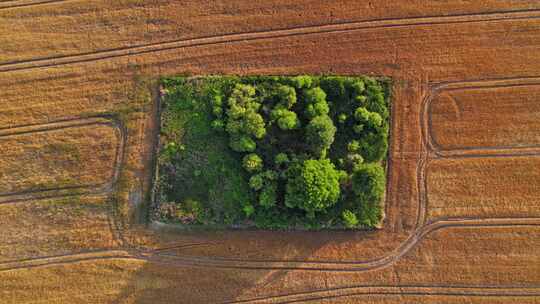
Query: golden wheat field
[[78, 125]]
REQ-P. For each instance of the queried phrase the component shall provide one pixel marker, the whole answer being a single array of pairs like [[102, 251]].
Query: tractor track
[[92, 189], [158, 256], [423, 227], [26, 3], [421, 231], [115, 221], [265, 34], [401, 290], [437, 88]]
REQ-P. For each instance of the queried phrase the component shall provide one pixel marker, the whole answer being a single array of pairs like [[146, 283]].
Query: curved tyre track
[[427, 123], [26, 195], [385, 261], [115, 221], [422, 228], [249, 36], [387, 290], [158, 256]]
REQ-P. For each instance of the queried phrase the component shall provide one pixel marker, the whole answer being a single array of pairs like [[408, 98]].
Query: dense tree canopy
[[311, 149]]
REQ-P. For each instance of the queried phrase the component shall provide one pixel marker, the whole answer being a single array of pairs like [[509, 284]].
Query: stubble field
[[77, 133]]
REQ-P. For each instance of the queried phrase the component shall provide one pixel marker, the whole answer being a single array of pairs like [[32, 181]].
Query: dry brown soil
[[77, 96]]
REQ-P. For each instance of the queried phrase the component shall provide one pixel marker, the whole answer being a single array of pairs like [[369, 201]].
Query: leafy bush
[[256, 182], [320, 134], [349, 219], [368, 182], [316, 104], [242, 143], [281, 159], [268, 196], [244, 122], [313, 185], [252, 162]]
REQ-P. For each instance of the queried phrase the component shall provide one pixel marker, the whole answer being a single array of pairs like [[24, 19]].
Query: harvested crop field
[[78, 125]]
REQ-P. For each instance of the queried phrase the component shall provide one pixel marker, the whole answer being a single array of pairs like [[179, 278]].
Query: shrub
[[374, 146], [286, 120], [252, 162], [353, 146], [358, 87], [242, 144], [368, 182], [334, 86], [349, 219], [368, 119], [320, 134], [281, 159], [342, 118], [302, 82], [286, 95], [316, 104], [268, 196], [248, 210], [256, 182], [218, 125], [312, 185], [355, 159]]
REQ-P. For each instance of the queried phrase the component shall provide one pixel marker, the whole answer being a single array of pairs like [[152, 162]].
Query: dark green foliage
[[242, 143], [320, 134], [256, 182], [268, 195], [302, 82], [286, 120], [316, 104], [263, 150], [312, 185], [368, 182], [281, 159]]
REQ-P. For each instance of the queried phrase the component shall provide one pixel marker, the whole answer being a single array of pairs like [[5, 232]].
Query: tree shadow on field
[[163, 282]]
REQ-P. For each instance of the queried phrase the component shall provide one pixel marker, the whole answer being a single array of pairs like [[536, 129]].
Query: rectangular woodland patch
[[274, 152]]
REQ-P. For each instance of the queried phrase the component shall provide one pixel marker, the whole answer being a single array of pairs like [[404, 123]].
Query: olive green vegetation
[[303, 152]]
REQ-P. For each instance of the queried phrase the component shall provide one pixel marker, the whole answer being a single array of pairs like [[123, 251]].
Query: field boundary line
[[268, 34]]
